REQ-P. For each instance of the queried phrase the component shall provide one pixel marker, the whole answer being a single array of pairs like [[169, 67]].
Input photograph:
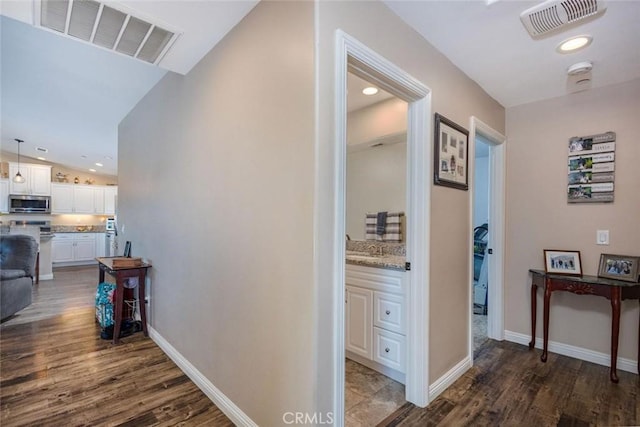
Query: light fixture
[[92, 170], [18, 179], [99, 164], [370, 90], [40, 158], [574, 43]]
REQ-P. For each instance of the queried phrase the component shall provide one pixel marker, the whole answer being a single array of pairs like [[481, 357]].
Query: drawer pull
[[387, 350], [388, 312]]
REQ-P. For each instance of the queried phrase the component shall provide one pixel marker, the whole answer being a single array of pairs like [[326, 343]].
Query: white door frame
[[353, 56], [497, 166]]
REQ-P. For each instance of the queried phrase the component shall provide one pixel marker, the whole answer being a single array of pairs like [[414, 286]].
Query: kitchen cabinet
[[110, 196], [37, 179], [100, 244], [73, 247], [82, 199], [375, 319], [4, 195]]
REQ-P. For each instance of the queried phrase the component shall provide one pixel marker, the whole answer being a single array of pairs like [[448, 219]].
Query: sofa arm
[[18, 252]]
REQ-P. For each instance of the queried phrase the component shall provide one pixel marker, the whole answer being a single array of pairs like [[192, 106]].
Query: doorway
[[352, 56], [487, 241]]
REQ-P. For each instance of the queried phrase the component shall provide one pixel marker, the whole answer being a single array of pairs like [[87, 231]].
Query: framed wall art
[[591, 167], [562, 262], [451, 146], [619, 267]]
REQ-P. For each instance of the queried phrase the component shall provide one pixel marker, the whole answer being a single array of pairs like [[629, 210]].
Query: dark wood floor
[[56, 371], [509, 386]]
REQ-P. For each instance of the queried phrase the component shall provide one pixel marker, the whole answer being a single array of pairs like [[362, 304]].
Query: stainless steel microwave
[[19, 203]]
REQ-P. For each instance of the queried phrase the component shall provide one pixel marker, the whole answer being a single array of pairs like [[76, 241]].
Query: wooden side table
[[614, 290], [121, 274]]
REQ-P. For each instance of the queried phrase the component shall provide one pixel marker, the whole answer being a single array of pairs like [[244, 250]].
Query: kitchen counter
[[78, 229], [390, 262]]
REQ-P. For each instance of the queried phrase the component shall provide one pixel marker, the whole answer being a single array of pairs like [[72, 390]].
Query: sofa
[[17, 269]]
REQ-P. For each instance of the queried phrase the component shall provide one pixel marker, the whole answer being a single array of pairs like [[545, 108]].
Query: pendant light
[[19, 179]]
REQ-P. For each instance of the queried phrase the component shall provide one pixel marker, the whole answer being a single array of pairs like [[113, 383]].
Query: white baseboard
[[442, 383], [225, 404], [46, 276], [596, 357]]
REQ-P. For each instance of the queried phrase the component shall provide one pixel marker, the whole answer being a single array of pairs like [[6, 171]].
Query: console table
[[121, 274], [614, 290]]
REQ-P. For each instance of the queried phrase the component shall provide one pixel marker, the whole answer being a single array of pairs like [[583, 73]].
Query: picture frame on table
[[562, 262], [451, 154], [619, 267]]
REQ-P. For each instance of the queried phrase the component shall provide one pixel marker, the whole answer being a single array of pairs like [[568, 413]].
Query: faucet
[[348, 237], [375, 250]]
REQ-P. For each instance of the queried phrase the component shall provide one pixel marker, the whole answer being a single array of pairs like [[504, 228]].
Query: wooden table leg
[[534, 293], [615, 331], [547, 299], [119, 302], [38, 268], [639, 338], [141, 302], [100, 275]]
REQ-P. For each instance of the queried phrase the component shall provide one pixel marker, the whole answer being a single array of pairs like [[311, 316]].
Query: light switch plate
[[602, 237]]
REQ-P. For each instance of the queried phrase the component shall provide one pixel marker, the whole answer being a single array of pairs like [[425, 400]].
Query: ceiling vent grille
[[107, 27], [555, 15]]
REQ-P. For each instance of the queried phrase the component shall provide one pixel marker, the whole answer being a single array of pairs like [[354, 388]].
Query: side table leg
[[639, 339], [118, 309], [547, 299], [534, 293], [615, 331], [141, 302]]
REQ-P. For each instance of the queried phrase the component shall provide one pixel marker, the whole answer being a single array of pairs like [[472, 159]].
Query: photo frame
[[562, 262], [127, 249], [451, 154], [619, 267]]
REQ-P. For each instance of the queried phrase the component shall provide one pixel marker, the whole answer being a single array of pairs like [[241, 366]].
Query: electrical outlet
[[602, 237]]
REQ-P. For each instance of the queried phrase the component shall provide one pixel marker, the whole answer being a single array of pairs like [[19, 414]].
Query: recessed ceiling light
[[99, 164], [92, 170], [574, 43], [84, 156], [370, 90], [41, 158]]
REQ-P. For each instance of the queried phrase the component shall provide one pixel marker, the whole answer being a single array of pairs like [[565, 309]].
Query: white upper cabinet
[[37, 179], [82, 199], [4, 195]]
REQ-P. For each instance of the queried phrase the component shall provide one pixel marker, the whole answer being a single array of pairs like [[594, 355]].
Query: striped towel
[[392, 231]]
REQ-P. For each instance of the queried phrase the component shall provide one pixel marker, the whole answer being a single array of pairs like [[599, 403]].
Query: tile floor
[[369, 396]]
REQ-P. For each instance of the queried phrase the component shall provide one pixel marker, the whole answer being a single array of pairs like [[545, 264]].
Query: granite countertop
[[390, 262], [78, 229]]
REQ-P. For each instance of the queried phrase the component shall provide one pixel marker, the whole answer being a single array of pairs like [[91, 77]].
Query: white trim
[[604, 359], [497, 170], [46, 276], [223, 403], [442, 383], [355, 57]]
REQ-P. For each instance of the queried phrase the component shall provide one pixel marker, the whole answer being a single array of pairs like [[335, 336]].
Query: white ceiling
[[490, 44], [69, 96]]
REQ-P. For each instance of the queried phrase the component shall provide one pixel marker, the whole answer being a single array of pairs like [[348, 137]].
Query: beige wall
[[539, 217], [223, 208], [376, 181], [385, 118], [455, 96]]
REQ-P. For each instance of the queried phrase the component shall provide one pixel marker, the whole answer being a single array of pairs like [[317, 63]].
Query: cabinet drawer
[[388, 312], [389, 349], [62, 236], [377, 279], [85, 236]]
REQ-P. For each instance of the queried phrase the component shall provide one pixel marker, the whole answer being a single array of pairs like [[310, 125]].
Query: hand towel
[[381, 223]]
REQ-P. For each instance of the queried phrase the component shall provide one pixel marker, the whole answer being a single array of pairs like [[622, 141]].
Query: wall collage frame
[[591, 168]]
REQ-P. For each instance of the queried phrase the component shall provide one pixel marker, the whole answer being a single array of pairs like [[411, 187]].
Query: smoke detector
[[580, 68], [556, 15]]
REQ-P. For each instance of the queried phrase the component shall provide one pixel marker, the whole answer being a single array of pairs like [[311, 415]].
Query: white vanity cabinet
[[375, 319], [73, 248]]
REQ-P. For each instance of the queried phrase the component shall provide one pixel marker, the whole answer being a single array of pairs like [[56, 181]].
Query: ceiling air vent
[[554, 15], [107, 27]]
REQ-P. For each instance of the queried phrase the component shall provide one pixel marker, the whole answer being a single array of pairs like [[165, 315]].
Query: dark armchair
[[17, 268]]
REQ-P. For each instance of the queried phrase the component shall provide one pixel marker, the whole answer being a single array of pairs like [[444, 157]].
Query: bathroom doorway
[[376, 184], [352, 56]]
